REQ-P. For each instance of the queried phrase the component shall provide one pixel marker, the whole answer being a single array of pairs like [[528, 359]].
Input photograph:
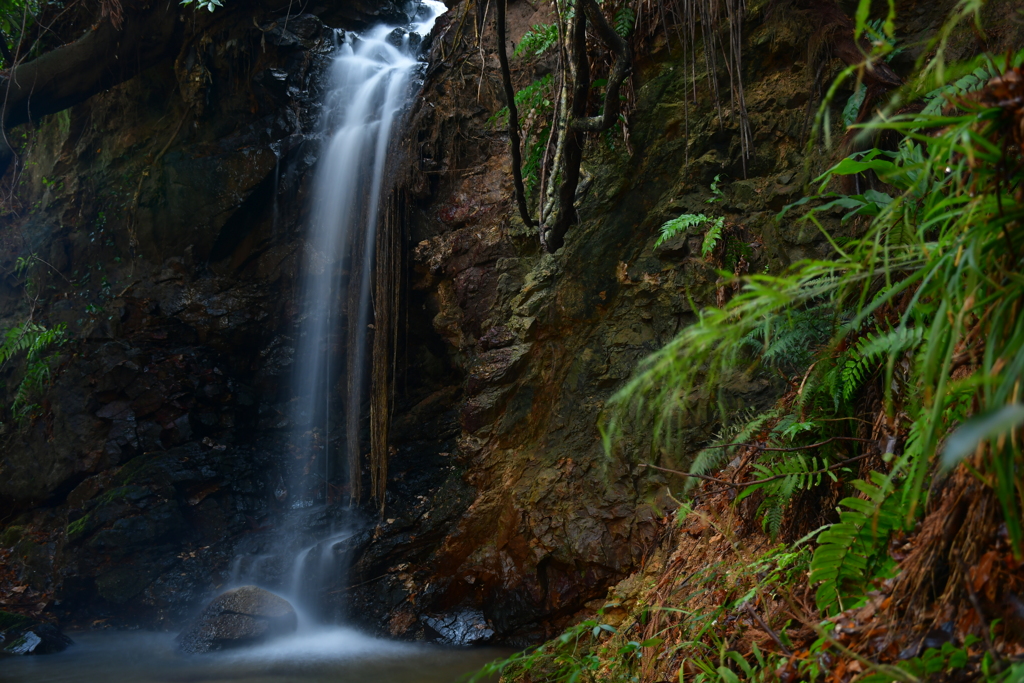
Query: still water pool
[[337, 655]]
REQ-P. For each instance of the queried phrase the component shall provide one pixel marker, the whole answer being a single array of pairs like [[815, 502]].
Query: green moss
[[11, 535], [121, 493], [13, 622], [133, 468], [78, 527]]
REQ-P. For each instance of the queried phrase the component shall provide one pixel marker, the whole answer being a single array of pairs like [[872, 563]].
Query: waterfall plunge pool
[[334, 654]]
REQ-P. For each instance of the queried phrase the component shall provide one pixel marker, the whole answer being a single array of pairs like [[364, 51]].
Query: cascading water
[[369, 86], [369, 83]]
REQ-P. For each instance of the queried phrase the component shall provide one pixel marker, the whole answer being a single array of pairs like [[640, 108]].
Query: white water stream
[[369, 85], [370, 82]]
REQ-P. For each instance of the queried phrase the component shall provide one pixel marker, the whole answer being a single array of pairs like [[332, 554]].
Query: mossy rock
[[128, 492], [21, 635], [10, 622], [11, 535], [79, 527]]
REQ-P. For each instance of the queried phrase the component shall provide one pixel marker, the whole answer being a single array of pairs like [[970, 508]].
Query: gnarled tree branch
[[620, 70], [564, 214], [103, 57], [513, 118]]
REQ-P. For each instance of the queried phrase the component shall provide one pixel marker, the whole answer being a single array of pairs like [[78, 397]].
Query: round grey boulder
[[243, 616]]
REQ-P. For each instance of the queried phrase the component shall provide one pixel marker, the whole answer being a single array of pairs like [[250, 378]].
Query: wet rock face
[[148, 540], [538, 343], [243, 616], [465, 627], [171, 243], [22, 636]]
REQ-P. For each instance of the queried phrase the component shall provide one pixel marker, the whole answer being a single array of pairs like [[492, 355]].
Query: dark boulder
[[243, 616], [467, 627], [22, 636]]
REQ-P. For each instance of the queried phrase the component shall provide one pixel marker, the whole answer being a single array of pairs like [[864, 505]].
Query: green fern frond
[[712, 237], [773, 514], [625, 20], [850, 551], [740, 431], [785, 477], [870, 350], [34, 340], [538, 40], [790, 339], [976, 80], [680, 225]]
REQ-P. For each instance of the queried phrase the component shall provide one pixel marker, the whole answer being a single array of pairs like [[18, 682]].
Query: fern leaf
[[679, 225], [849, 551], [712, 236], [625, 19], [870, 350]]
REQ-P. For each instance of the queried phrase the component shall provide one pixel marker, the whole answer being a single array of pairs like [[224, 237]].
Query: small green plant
[[565, 659], [716, 192], [531, 100], [884, 43], [625, 20], [712, 237], [691, 220], [683, 223], [852, 552], [931, 662], [780, 480], [33, 340], [538, 40]]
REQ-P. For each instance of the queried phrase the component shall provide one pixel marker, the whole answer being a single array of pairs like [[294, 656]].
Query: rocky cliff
[[161, 222]]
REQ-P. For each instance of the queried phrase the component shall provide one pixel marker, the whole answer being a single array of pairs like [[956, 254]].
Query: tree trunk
[[100, 59]]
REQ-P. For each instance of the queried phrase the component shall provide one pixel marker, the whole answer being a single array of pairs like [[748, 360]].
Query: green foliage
[[932, 276], [625, 20], [780, 480], [740, 431], [931, 662], [680, 225], [791, 339], [716, 192], [869, 351], [712, 236], [13, 15], [33, 341], [577, 653], [77, 527], [683, 223], [530, 101], [852, 552], [981, 428], [538, 40], [980, 71], [884, 43], [931, 253], [534, 105]]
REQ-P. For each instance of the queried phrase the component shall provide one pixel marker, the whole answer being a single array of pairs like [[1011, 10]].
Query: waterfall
[[369, 82]]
